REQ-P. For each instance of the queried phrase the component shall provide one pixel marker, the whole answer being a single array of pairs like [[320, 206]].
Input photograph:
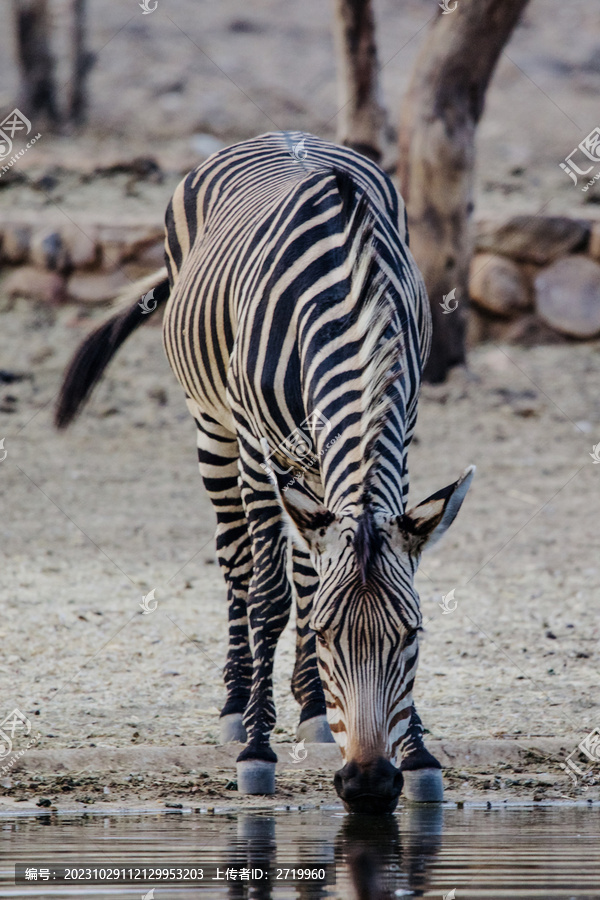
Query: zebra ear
[[305, 515], [423, 525], [308, 517]]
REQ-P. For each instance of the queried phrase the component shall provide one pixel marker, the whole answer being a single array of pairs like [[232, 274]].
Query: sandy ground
[[493, 772], [96, 517]]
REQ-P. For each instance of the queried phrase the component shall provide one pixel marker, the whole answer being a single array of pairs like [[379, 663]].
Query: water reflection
[[382, 861], [419, 852], [368, 852]]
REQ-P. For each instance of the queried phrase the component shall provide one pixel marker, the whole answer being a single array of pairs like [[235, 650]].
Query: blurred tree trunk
[[362, 117], [442, 108], [51, 49], [37, 94], [80, 62]]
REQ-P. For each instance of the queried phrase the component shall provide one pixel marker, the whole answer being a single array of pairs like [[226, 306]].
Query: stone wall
[[533, 278], [88, 262]]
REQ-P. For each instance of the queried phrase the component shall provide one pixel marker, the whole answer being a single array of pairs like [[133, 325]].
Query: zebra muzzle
[[370, 788]]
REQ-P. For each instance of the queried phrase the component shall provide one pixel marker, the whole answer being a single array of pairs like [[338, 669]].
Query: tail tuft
[[92, 357]]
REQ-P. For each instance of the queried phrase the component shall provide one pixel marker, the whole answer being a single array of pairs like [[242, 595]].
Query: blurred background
[[232, 70], [126, 99]]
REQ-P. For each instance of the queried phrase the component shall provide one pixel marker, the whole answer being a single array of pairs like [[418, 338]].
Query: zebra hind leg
[[235, 559], [422, 773], [306, 683]]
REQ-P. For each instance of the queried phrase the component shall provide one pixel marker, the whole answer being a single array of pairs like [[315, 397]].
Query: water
[[539, 852]]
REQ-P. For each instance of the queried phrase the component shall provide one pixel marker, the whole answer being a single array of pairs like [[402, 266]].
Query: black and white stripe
[[296, 309], [293, 291]]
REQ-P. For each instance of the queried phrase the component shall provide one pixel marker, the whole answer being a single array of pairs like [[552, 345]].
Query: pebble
[[568, 296], [498, 285]]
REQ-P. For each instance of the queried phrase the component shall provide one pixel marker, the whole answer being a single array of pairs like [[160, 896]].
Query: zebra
[[297, 322]]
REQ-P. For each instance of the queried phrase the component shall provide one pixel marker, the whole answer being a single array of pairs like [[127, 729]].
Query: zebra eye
[[321, 639]]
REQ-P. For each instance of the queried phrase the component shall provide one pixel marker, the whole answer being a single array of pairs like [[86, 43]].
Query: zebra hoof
[[423, 785], [255, 776], [232, 728], [315, 731]]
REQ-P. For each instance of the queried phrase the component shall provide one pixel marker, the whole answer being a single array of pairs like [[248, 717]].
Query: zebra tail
[[94, 354]]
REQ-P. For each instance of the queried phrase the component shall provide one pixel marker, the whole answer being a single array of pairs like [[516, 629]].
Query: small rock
[[160, 395], [246, 26], [15, 244], [44, 802], [8, 404], [535, 239], [47, 250], [568, 296], [92, 287], [7, 377], [35, 284], [498, 284]]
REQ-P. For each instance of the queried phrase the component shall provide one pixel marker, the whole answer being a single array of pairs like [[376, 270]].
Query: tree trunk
[[362, 117], [80, 59], [442, 108], [37, 94]]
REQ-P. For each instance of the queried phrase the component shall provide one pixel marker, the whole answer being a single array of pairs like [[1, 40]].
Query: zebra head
[[366, 618]]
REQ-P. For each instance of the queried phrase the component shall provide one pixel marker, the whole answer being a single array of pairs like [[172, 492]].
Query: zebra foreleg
[[269, 603], [421, 771], [306, 683]]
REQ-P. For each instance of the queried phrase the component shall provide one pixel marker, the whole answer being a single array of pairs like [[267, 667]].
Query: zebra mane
[[367, 542], [375, 330]]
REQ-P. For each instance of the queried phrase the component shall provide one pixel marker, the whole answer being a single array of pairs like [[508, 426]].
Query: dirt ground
[[216, 789], [201, 778], [95, 518]]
